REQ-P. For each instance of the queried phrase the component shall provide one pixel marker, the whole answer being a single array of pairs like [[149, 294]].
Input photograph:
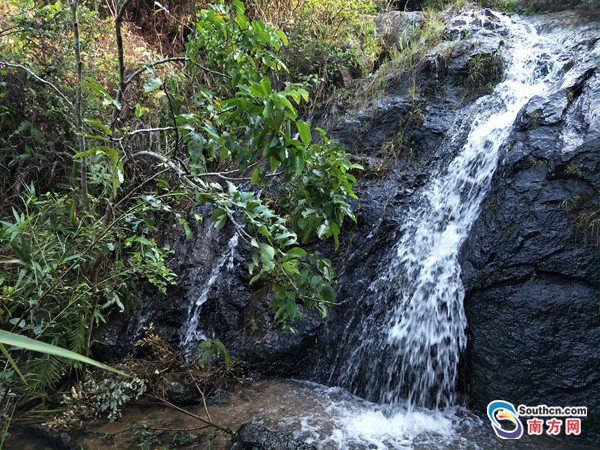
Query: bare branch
[[152, 64], [150, 130], [201, 394], [180, 171], [77, 107], [165, 402], [122, 9], [41, 80], [164, 8], [167, 60], [243, 233], [120, 58]]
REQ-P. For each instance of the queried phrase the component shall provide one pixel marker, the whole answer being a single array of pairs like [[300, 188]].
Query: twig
[[172, 111], [201, 394], [166, 60], [163, 159], [149, 130], [120, 57], [41, 80], [165, 402], [164, 8], [77, 107], [139, 186]]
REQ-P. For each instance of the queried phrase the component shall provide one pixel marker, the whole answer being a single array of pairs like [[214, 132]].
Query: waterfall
[[191, 332], [409, 347]]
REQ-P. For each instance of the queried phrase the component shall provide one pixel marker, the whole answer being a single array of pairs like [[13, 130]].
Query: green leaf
[[282, 36], [267, 254], [266, 85], [98, 124], [257, 176], [37, 346], [139, 111], [326, 293], [152, 84], [220, 222], [304, 131], [12, 363], [296, 252], [292, 309]]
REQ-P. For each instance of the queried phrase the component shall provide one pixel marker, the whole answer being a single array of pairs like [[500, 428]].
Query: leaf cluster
[[145, 141]]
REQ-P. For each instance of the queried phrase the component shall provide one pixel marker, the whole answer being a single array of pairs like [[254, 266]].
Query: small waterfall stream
[[191, 332]]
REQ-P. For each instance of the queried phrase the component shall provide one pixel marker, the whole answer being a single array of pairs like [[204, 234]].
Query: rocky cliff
[[530, 264]]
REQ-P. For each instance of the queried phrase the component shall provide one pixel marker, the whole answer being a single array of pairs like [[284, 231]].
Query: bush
[[327, 38]]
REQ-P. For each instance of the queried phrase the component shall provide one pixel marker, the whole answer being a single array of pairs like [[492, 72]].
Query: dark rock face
[[257, 437], [531, 268]]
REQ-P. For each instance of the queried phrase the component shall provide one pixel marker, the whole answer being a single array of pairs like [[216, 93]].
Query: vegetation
[[106, 138], [102, 152]]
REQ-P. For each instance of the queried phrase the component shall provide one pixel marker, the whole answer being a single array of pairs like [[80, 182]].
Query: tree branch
[[167, 60], [77, 106], [41, 80], [181, 172], [120, 56], [195, 416], [150, 130]]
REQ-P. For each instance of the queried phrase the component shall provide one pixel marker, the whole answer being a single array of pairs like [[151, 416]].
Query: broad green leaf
[[92, 151], [256, 176], [266, 85], [152, 84], [37, 346], [326, 292], [220, 222], [139, 111], [267, 253], [98, 124], [282, 36], [296, 252], [304, 131]]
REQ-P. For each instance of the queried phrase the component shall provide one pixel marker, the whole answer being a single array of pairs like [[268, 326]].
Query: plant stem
[[77, 105]]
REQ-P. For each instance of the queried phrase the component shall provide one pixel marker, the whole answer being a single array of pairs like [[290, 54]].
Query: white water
[[412, 351], [427, 326], [192, 333]]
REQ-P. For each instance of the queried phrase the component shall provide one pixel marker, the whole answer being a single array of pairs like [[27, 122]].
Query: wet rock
[[182, 394], [532, 264], [59, 441], [257, 437]]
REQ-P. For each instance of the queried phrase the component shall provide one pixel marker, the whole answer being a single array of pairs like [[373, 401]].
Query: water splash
[[191, 332], [411, 350]]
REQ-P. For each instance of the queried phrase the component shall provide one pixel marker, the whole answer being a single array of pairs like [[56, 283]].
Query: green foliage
[[585, 10], [210, 352], [248, 120], [485, 71], [50, 289], [71, 258], [326, 37], [111, 394], [90, 399], [17, 340]]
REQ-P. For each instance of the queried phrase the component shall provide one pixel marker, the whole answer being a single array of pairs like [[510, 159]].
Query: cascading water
[[191, 332], [411, 350]]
